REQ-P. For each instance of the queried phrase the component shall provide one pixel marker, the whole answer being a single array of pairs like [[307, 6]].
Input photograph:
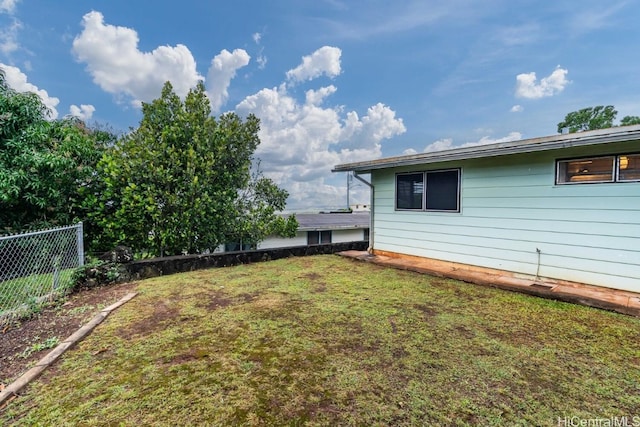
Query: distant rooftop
[[332, 221]]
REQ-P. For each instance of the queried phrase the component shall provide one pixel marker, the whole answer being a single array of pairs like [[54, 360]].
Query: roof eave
[[338, 227], [602, 136]]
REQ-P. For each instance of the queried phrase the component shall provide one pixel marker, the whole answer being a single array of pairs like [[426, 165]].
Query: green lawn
[[25, 291], [329, 341]]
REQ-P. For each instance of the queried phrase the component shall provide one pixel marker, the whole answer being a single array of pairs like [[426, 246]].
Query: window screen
[[318, 237], [431, 191], [409, 190], [325, 236], [313, 237], [442, 190]]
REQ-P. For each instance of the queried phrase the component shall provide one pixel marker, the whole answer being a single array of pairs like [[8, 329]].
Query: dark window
[[409, 190], [430, 191], [313, 238], [325, 236], [237, 246], [366, 235], [442, 190], [318, 237]]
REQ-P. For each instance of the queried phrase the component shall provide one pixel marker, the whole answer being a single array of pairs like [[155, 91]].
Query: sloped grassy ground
[[329, 341]]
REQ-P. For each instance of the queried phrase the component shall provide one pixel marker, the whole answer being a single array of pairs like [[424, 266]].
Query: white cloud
[[409, 152], [388, 18], [439, 145], [588, 19], [379, 123], [222, 70], [301, 141], [17, 80], [512, 136], [8, 6], [9, 34], [261, 60], [517, 109], [117, 65], [84, 112], [447, 143], [527, 85], [518, 35], [317, 97], [324, 61], [9, 37]]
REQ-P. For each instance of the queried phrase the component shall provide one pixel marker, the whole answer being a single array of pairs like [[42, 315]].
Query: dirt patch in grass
[[217, 299], [189, 356], [162, 315], [214, 301], [317, 282], [427, 311], [22, 342]]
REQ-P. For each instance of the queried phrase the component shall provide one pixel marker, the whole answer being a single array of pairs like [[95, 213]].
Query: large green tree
[[599, 117], [45, 165], [630, 120], [176, 183], [256, 207]]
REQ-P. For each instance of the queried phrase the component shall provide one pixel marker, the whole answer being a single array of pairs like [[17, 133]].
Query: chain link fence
[[37, 267]]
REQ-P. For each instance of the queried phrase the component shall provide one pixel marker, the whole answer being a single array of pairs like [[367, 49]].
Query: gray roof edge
[[333, 227], [600, 136]]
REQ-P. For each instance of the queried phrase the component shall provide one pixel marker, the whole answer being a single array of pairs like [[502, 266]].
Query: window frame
[[425, 190], [615, 172], [320, 236], [422, 204], [618, 158]]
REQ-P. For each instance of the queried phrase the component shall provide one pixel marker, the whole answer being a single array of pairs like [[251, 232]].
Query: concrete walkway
[[609, 299]]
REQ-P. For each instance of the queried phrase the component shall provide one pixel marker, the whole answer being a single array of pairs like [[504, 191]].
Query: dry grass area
[[329, 341]]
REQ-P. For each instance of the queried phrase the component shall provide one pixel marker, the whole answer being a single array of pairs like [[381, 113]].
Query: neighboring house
[[359, 208], [563, 207], [319, 228]]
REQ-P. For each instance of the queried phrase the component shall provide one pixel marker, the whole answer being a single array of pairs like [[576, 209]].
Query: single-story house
[[564, 207], [319, 228]]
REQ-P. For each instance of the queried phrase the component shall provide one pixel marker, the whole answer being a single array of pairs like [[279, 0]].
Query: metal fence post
[[80, 239]]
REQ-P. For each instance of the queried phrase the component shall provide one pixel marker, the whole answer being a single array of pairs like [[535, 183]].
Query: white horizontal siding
[[337, 236], [272, 242], [606, 226], [581, 246], [511, 208], [343, 236]]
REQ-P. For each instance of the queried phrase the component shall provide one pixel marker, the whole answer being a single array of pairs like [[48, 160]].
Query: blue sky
[[333, 81]]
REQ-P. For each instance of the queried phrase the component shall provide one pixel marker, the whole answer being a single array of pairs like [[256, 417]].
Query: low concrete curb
[[12, 389], [624, 302]]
